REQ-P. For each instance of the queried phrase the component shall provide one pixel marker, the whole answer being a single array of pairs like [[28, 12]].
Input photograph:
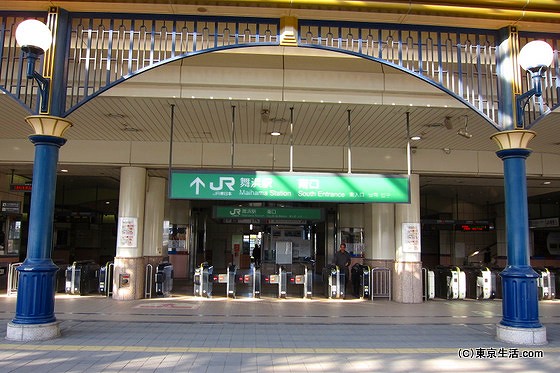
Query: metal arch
[[461, 62], [107, 51], [406, 71], [150, 67]]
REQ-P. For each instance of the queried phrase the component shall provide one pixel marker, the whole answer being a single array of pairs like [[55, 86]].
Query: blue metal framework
[[105, 49], [551, 81], [462, 62], [13, 79], [109, 50]]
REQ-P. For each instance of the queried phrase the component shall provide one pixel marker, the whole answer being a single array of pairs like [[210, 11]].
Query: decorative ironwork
[[13, 78], [105, 51], [551, 82], [460, 61]]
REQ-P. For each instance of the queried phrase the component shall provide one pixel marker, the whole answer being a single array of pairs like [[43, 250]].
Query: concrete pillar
[[379, 233], [128, 280], [153, 222], [407, 278]]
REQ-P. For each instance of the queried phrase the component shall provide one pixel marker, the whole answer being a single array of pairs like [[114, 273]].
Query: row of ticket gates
[[281, 284], [453, 282], [446, 282], [87, 277]]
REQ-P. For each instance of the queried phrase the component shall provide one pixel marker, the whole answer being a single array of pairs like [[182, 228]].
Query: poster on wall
[[411, 237], [127, 232]]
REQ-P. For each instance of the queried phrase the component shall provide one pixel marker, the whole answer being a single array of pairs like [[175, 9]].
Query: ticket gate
[[248, 282], [478, 282], [257, 278], [305, 280], [230, 281], [484, 284], [220, 280], [333, 282], [450, 283], [546, 284], [496, 284], [203, 280], [457, 284], [82, 277], [361, 281], [164, 279], [280, 279], [428, 284]]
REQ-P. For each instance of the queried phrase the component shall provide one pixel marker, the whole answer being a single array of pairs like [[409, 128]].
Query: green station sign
[[289, 186], [287, 213]]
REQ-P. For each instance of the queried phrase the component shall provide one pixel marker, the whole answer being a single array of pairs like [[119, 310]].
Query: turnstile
[[478, 282], [305, 280], [280, 279], [82, 277], [164, 279], [361, 281], [203, 280], [546, 284], [229, 279], [220, 280], [496, 283], [450, 283], [248, 282], [428, 284], [333, 282], [484, 284]]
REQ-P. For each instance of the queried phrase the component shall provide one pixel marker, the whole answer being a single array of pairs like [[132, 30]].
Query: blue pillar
[[519, 280], [37, 274]]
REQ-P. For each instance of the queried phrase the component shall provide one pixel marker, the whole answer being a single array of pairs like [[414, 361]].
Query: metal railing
[[13, 278], [104, 49], [381, 283], [109, 269], [149, 281]]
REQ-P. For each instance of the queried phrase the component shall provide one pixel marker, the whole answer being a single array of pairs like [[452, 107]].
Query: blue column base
[[36, 290], [520, 304]]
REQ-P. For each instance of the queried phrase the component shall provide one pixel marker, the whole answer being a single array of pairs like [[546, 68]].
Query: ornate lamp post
[[520, 321], [34, 319]]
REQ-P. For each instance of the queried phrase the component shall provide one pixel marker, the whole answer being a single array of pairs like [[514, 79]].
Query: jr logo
[[226, 181]]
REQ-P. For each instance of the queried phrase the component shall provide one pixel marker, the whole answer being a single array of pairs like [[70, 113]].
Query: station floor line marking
[[254, 350]]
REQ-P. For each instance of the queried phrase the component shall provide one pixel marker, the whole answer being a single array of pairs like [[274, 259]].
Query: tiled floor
[[188, 334]]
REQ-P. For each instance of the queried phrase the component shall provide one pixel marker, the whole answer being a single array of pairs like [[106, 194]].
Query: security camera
[[463, 132]]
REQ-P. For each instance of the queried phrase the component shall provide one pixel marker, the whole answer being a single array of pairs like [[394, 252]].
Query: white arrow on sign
[[197, 183]]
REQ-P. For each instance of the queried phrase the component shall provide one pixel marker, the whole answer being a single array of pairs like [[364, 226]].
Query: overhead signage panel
[[285, 213], [289, 186]]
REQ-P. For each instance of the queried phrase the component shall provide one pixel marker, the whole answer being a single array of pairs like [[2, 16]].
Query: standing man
[[342, 259]]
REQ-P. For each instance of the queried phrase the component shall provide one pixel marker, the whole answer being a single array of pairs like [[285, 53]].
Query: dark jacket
[[342, 259]]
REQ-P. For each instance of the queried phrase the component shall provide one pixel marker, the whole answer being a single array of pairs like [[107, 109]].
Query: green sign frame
[[283, 213], [289, 186]]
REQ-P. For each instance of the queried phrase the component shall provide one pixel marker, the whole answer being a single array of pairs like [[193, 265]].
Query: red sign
[[20, 187]]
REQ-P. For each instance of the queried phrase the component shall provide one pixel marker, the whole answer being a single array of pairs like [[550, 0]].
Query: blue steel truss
[[104, 49]]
